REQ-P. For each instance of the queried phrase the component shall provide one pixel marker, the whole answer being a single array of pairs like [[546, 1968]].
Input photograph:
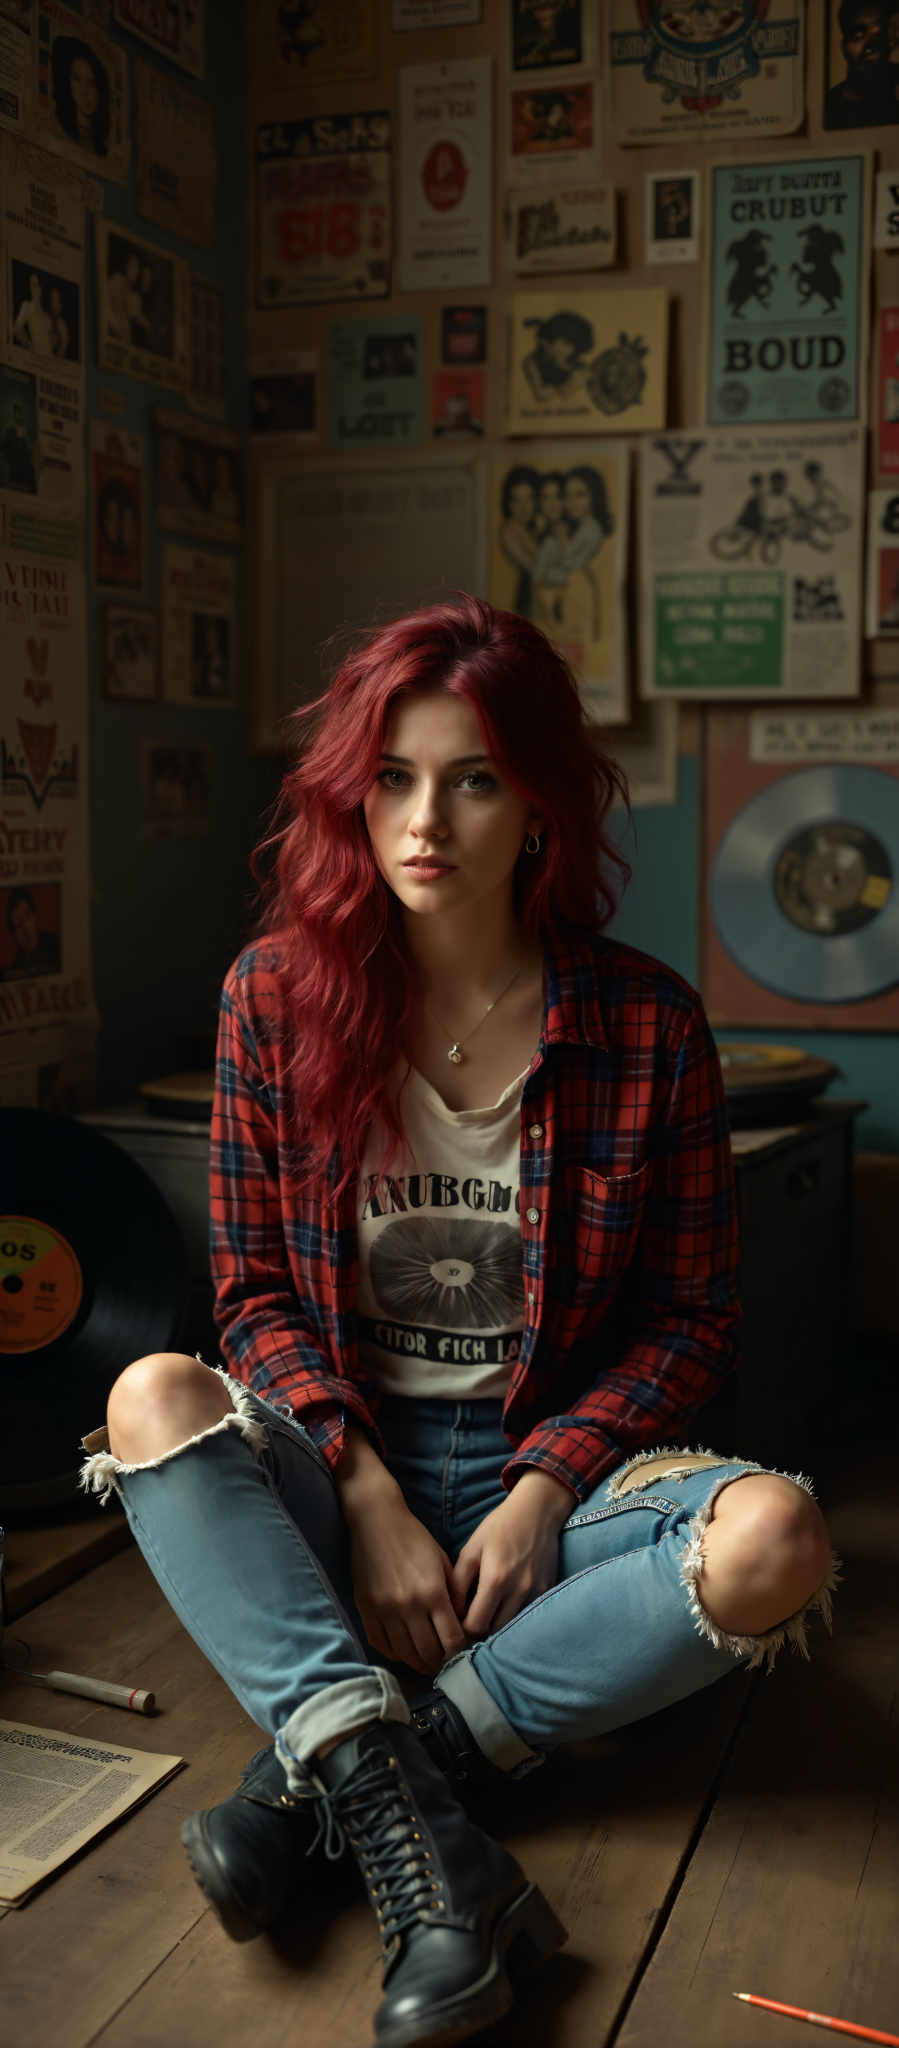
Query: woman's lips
[[428, 870]]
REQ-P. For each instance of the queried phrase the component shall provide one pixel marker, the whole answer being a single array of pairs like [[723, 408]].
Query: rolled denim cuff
[[337, 1710]]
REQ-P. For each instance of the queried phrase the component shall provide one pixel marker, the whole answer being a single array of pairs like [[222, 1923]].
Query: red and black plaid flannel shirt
[[628, 1221]]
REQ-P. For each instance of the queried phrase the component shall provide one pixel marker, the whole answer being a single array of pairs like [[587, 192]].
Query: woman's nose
[[427, 816]]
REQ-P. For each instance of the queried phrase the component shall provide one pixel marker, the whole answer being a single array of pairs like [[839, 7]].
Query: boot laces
[[374, 1813]]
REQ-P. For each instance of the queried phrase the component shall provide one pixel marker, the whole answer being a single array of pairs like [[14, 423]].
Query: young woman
[[474, 1243]]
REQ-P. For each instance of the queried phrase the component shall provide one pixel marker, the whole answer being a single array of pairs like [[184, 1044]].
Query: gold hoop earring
[[536, 846]]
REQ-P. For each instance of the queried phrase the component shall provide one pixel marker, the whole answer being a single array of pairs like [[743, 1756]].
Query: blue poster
[[375, 388], [787, 297]]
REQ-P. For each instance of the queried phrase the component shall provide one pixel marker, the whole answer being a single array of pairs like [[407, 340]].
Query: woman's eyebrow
[[461, 761]]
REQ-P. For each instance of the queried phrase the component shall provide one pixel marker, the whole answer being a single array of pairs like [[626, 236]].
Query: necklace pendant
[[455, 1054]]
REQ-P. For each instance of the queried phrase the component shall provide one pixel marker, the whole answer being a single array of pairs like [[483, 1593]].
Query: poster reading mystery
[[174, 28], [375, 387], [587, 361], [142, 307], [882, 608], [705, 70], [787, 296], [559, 557], [445, 182], [80, 97], [323, 209], [198, 627], [45, 895], [567, 227], [176, 161], [861, 75], [887, 424], [751, 563]]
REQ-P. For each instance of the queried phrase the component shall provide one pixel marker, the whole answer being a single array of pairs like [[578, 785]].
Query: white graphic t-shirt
[[440, 1275]]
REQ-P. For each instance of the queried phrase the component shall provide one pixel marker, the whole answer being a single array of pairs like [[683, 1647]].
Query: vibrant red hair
[[347, 976]]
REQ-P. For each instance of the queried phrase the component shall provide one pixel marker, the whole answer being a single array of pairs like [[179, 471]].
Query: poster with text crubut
[[323, 209], [566, 227], [445, 228], [787, 296], [45, 895], [175, 29], [199, 651], [587, 362], [705, 71], [887, 437], [80, 92], [559, 557], [375, 386], [751, 562]]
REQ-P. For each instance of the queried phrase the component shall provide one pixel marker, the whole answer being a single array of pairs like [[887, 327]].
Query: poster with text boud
[[787, 296], [705, 71]]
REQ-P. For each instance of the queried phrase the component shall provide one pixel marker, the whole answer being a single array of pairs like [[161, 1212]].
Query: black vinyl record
[[93, 1274], [770, 1084]]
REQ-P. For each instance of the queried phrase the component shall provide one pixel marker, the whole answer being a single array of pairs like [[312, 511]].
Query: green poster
[[719, 633], [375, 390]]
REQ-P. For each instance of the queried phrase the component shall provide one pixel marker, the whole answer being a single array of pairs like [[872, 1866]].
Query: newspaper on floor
[[57, 1792]]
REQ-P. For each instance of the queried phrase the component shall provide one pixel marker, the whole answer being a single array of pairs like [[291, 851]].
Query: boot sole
[[214, 1885], [525, 1935]]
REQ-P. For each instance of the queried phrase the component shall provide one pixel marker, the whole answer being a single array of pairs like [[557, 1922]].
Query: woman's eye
[[481, 781], [392, 778]]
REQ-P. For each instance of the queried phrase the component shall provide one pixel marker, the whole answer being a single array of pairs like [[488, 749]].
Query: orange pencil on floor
[[820, 2019]]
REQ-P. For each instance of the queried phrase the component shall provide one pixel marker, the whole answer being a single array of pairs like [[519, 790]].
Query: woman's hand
[[513, 1554], [402, 1583]]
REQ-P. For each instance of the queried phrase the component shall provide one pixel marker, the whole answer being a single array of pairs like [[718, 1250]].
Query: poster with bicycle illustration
[[751, 547], [788, 297], [559, 557]]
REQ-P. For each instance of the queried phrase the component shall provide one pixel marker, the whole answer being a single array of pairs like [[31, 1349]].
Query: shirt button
[[535, 1131], [533, 1215]]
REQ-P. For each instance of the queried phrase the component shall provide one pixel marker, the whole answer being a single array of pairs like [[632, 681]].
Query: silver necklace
[[455, 1052]]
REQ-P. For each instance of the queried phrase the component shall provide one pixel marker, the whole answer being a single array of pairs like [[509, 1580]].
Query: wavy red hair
[[348, 979]]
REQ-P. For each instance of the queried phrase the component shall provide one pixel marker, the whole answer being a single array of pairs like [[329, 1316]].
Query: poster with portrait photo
[[672, 216], [41, 454], [175, 30], [198, 628], [30, 931], [44, 311], [129, 654], [556, 124], [118, 478], [199, 479], [548, 35], [142, 301], [862, 66], [177, 786], [80, 92], [559, 557], [176, 158], [587, 361]]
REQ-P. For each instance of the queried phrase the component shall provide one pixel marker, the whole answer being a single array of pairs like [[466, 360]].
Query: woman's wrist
[[361, 1476], [547, 1494]]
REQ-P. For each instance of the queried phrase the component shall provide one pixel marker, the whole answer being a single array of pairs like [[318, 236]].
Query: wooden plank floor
[[745, 1840]]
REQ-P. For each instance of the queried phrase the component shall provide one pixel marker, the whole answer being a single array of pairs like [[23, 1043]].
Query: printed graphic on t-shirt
[[448, 1282]]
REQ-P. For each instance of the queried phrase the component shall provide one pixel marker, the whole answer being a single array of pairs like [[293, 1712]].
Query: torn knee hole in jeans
[[102, 1470]]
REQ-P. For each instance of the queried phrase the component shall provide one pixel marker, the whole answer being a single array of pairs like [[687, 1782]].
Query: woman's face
[[438, 793], [577, 498], [550, 499], [85, 91], [522, 502]]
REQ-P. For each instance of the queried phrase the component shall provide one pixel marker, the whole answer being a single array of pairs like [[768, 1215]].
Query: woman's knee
[[160, 1401]]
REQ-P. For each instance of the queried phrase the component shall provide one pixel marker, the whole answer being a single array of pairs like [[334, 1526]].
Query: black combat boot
[[253, 1854], [445, 1734], [459, 1922]]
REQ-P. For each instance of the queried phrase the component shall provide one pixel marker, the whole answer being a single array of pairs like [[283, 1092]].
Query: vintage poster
[[199, 478], [887, 431], [646, 748], [174, 28], [45, 893], [313, 40], [458, 403], [323, 209], [559, 557], [589, 362], [176, 160], [41, 454], [129, 653], [556, 124], [43, 235], [568, 227], [207, 378], [177, 786], [463, 334], [411, 14], [672, 216], [861, 76], [142, 307], [412, 533], [283, 395], [550, 35], [375, 386], [705, 70], [800, 850], [751, 563], [15, 74], [80, 94], [788, 290], [445, 229], [882, 606], [198, 627], [118, 476], [886, 205]]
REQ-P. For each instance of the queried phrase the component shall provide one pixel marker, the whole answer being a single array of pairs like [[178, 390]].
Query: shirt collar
[[572, 1013]]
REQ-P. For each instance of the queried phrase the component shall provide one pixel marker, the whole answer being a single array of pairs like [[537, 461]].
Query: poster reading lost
[[323, 209], [445, 184], [375, 388], [787, 299], [751, 571], [705, 70], [559, 557], [587, 361]]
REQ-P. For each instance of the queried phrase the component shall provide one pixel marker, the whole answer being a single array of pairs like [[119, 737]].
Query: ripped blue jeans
[[242, 1528]]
